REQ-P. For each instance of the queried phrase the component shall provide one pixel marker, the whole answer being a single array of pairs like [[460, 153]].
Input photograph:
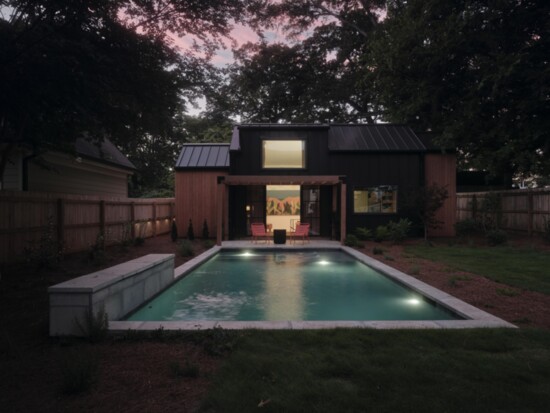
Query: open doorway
[[282, 206]]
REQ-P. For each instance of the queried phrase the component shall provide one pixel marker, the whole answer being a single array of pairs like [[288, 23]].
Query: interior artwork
[[283, 200]]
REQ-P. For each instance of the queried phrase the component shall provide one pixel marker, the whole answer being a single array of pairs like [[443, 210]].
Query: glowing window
[[381, 199], [284, 154]]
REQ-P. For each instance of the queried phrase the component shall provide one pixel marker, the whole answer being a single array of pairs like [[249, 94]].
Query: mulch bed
[[138, 376], [522, 308]]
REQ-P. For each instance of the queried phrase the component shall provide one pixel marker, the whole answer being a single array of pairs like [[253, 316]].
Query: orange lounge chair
[[302, 231], [259, 232]]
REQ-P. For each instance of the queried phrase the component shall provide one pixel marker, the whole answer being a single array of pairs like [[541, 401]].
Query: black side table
[[279, 236]]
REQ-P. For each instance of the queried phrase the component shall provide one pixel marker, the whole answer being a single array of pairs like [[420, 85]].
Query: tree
[[101, 69], [317, 79], [475, 74], [425, 202]]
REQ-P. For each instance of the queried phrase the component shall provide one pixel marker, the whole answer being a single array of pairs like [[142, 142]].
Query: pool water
[[287, 285]]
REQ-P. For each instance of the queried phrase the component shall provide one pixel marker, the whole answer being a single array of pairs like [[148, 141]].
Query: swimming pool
[[276, 285]]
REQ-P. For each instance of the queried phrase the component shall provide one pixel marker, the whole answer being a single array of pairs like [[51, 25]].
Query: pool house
[[334, 177]]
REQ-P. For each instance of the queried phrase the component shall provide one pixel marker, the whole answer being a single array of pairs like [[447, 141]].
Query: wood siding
[[76, 220], [12, 179], [367, 170], [71, 177], [196, 199], [441, 170], [522, 210]]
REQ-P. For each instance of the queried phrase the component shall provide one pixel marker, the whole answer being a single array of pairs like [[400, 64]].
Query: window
[[284, 154], [380, 199]]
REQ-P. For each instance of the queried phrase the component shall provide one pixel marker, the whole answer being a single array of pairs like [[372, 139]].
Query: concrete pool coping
[[473, 317]]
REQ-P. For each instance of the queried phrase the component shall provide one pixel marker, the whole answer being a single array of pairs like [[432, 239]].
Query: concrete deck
[[473, 317]]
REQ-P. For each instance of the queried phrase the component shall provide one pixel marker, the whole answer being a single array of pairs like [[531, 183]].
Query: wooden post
[[102, 217], [334, 209], [342, 212], [132, 220], [154, 219], [60, 223], [530, 215], [219, 206], [11, 228]]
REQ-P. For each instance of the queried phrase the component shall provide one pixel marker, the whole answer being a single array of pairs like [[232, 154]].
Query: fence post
[[132, 219], [102, 218], [154, 219], [60, 223], [474, 207], [530, 214]]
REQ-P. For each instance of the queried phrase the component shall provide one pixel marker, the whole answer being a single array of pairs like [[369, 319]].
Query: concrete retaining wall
[[117, 290]]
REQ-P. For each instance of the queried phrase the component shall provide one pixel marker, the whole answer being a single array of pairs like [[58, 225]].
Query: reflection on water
[[283, 285], [283, 297]]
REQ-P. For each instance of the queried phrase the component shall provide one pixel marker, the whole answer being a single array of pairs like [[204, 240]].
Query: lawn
[[285, 371], [525, 268], [385, 371]]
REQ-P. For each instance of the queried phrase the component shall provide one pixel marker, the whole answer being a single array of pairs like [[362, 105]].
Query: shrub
[[381, 233], [352, 241], [363, 233], [377, 251], [466, 228], [185, 248], [190, 232], [79, 371], [208, 243], [496, 237], [95, 327], [190, 370], [205, 234], [398, 231], [47, 252], [546, 233], [96, 253], [139, 241], [174, 232]]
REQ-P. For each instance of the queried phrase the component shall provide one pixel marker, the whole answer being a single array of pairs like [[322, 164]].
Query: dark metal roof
[[215, 155], [103, 151], [377, 138]]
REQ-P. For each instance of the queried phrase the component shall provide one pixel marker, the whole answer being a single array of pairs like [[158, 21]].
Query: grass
[[385, 371], [517, 267]]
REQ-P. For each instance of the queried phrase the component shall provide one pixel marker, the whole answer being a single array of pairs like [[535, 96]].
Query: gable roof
[[104, 152], [213, 155], [374, 138]]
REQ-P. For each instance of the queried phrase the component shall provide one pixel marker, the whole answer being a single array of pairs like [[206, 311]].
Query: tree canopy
[[477, 74], [102, 69]]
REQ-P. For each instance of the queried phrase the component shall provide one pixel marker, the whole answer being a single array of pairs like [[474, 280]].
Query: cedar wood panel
[[441, 169], [196, 199]]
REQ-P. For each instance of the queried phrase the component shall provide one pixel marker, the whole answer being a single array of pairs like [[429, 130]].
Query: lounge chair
[[302, 231], [259, 232]]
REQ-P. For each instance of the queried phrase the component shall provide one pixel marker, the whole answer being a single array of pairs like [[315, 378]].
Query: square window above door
[[283, 154]]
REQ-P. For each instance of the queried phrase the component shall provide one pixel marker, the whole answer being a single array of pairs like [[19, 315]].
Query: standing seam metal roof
[[373, 138], [204, 156]]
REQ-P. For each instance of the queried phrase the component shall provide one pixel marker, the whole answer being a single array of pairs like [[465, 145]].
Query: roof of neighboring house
[[374, 138], [104, 152], [213, 155]]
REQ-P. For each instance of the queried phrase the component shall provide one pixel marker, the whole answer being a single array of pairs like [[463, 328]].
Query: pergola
[[338, 182]]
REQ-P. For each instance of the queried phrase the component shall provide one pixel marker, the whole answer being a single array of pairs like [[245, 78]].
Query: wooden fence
[[28, 219], [522, 209]]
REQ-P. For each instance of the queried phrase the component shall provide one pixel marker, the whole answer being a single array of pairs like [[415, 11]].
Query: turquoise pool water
[[287, 285]]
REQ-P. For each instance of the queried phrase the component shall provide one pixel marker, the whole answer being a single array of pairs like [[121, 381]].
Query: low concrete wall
[[117, 290]]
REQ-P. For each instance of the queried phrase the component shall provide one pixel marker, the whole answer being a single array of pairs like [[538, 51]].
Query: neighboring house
[[91, 170], [335, 177]]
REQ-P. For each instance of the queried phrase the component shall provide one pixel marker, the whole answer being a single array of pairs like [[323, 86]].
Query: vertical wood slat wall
[[77, 220], [522, 209], [441, 170], [197, 199]]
